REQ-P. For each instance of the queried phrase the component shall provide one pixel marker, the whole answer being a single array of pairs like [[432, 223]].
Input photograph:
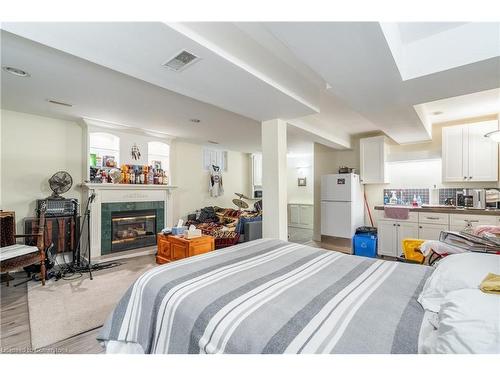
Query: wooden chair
[[14, 256]]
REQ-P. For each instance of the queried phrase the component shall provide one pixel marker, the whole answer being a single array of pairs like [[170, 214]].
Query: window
[[103, 146], [159, 152], [214, 157]]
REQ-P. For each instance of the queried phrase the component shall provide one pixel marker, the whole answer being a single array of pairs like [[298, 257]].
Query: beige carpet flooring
[[63, 308]]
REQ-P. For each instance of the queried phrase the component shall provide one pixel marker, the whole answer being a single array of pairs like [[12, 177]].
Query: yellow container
[[411, 250]]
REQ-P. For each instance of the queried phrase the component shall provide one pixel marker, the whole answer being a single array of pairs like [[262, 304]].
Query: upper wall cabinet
[[468, 155], [373, 153]]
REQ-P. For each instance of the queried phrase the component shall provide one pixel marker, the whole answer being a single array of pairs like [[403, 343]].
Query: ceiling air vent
[[181, 61]]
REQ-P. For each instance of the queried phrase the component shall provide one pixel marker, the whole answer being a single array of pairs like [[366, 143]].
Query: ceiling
[[101, 93], [355, 59], [329, 80], [423, 48], [413, 31], [460, 107]]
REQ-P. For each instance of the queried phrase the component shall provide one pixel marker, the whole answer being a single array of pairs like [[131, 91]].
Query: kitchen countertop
[[447, 210]]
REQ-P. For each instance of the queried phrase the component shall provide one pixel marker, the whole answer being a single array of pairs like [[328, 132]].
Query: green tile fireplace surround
[[108, 208]]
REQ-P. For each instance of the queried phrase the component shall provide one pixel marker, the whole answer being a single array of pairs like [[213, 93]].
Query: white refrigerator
[[342, 205]]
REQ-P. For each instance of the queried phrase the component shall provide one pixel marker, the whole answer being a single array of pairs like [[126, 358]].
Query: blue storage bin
[[365, 245]]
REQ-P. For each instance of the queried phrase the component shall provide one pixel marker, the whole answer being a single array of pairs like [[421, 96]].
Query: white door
[[336, 219], [306, 216], [293, 215], [431, 231], [483, 152], [387, 233], [372, 160], [405, 230], [336, 187], [453, 154]]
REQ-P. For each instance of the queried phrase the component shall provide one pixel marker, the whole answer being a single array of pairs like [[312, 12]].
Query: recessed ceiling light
[[15, 71], [195, 120], [59, 103], [437, 113], [213, 142]]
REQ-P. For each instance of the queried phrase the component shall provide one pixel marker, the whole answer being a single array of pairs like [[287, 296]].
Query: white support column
[[274, 180]]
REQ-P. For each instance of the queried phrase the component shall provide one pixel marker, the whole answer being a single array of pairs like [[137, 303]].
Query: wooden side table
[[172, 248]]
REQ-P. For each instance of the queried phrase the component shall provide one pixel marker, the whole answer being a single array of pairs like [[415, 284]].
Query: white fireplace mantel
[[111, 193], [109, 186]]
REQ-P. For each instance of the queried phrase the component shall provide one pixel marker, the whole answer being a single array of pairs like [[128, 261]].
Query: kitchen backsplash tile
[[408, 194], [423, 193], [448, 193]]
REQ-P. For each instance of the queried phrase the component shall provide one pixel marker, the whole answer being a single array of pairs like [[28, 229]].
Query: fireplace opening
[[133, 229]]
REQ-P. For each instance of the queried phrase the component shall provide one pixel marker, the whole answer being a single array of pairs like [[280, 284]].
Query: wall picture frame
[[302, 181]]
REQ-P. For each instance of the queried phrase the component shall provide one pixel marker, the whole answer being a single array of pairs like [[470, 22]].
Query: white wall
[[300, 165], [192, 180], [32, 149]]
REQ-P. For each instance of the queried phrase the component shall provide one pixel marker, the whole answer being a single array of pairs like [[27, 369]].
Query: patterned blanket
[[271, 296]]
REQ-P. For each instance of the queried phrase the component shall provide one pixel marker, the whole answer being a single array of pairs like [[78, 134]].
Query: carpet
[[62, 309]]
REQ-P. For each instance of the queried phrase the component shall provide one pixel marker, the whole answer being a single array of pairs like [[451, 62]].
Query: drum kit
[[240, 203]]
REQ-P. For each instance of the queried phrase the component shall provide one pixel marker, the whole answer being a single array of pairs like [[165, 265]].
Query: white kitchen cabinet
[[391, 233], [300, 215], [293, 215], [387, 237], [373, 153], [453, 153], [459, 222], [469, 156], [483, 152], [430, 231], [306, 215]]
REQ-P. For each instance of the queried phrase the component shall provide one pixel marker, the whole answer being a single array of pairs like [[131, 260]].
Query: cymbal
[[241, 196], [240, 204]]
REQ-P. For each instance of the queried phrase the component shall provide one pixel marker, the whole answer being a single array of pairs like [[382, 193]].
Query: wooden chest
[[172, 248]]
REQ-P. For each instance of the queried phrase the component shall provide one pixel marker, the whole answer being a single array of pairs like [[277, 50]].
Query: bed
[[270, 296]]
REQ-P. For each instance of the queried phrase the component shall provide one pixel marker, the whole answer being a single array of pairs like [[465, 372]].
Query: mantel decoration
[[136, 153]]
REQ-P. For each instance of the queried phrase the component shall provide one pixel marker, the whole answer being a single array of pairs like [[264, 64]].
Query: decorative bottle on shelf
[[151, 175], [124, 174], [414, 202], [137, 176], [165, 178], [156, 177]]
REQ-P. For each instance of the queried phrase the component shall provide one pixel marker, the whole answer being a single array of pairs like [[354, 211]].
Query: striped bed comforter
[[271, 296]]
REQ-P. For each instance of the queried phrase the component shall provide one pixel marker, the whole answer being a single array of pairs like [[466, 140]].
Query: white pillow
[[454, 272], [469, 322]]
